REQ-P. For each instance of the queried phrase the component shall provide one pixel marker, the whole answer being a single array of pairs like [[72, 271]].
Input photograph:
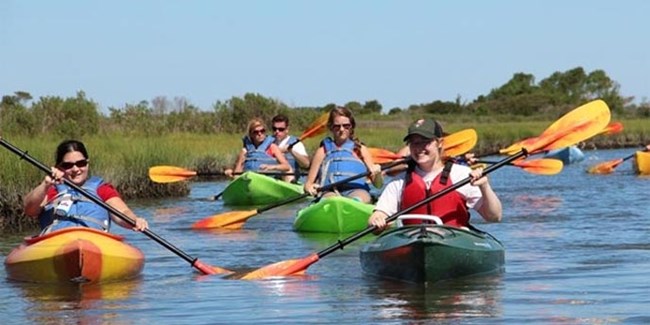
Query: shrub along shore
[[125, 160]]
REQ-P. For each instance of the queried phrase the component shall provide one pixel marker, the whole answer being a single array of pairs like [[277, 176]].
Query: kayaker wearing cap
[[342, 156], [427, 175], [59, 206]]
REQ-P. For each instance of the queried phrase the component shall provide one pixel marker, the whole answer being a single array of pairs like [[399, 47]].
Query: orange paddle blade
[[383, 156], [605, 167], [544, 166], [284, 268], [228, 220], [577, 125], [460, 142], [613, 128], [315, 128], [169, 174], [209, 269]]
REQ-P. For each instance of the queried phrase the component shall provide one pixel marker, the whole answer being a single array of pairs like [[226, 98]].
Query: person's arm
[[119, 204], [316, 161], [239, 164], [35, 200], [490, 209], [375, 170], [283, 164], [300, 154], [387, 205]]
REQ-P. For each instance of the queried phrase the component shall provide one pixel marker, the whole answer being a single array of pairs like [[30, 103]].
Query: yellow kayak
[[642, 162], [75, 255]]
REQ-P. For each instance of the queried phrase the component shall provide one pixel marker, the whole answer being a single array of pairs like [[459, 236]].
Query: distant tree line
[[77, 116]]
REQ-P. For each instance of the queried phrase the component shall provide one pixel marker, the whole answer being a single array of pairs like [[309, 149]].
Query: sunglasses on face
[[346, 126], [259, 131], [79, 163], [279, 129]]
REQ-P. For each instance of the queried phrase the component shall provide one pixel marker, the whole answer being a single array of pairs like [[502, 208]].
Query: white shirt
[[298, 148], [390, 199]]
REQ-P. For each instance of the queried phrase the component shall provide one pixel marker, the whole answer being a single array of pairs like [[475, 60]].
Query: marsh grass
[[125, 161]]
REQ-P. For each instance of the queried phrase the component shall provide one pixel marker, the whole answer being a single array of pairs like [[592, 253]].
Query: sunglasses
[[79, 163], [279, 129], [346, 126], [260, 131]]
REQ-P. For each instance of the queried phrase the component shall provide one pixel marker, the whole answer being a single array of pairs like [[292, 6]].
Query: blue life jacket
[[340, 163], [256, 156], [70, 208]]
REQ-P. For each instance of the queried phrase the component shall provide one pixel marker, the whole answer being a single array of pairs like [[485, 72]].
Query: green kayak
[[251, 188], [432, 252], [337, 214]]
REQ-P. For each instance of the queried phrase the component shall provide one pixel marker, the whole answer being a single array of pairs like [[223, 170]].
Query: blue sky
[[311, 53]]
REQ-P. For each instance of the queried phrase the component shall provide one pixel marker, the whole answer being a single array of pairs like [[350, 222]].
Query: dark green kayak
[[336, 214], [255, 189], [430, 253]]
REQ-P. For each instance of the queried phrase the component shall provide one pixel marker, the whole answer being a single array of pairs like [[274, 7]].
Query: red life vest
[[451, 208]]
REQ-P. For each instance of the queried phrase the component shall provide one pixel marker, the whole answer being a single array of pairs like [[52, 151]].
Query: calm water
[[578, 252]]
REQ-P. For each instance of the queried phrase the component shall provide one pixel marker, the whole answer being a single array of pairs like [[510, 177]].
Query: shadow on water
[[458, 299]]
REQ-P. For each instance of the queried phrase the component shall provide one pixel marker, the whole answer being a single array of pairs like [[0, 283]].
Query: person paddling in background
[[427, 175], [293, 150], [341, 156], [58, 206], [259, 153]]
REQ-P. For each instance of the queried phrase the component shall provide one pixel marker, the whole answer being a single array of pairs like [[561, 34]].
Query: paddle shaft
[[24, 155], [346, 241], [327, 187]]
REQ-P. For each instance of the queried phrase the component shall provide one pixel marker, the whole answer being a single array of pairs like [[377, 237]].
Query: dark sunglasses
[[279, 129], [346, 126], [260, 131], [79, 163]]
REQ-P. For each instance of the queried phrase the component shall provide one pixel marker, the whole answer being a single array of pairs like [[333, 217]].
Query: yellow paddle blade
[[319, 126], [459, 143], [169, 174], [613, 128], [577, 125], [605, 167], [284, 268], [544, 166], [228, 220]]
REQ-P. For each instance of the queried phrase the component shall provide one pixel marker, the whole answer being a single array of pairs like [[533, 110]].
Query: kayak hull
[[74, 255], [567, 155], [642, 163], [431, 253], [255, 189], [336, 214]]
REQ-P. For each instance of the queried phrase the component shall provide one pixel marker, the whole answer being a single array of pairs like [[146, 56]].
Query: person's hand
[[56, 177], [477, 177], [228, 172], [311, 188], [377, 220], [377, 176], [140, 224], [266, 167]]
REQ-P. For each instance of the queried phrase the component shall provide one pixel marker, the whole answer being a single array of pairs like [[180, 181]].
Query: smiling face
[[425, 152], [75, 166]]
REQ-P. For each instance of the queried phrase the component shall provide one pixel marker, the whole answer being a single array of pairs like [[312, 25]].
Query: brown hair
[[254, 123], [344, 111]]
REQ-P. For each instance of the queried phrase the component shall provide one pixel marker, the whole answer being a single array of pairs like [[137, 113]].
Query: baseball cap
[[427, 128]]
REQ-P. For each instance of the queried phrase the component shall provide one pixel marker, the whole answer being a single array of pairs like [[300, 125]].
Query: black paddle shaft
[[25, 156], [346, 241]]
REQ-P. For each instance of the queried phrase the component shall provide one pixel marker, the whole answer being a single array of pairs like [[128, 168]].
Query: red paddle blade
[[613, 128], [209, 269], [284, 268], [383, 156], [315, 128]]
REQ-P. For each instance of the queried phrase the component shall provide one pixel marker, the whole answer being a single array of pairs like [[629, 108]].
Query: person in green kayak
[[259, 153], [292, 148], [342, 156], [426, 175], [59, 206]]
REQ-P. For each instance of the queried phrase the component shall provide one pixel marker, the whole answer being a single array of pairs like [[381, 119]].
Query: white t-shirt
[[390, 199], [298, 148]]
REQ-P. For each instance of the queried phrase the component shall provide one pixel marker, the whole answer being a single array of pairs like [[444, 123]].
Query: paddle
[[574, 128], [236, 219], [544, 166], [613, 128], [202, 267], [607, 167], [454, 144], [319, 126], [170, 174]]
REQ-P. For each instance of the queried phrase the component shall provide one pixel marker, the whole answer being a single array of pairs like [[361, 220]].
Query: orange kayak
[[642, 162], [76, 255]]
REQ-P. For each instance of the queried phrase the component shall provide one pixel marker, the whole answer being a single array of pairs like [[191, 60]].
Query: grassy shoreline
[[124, 160]]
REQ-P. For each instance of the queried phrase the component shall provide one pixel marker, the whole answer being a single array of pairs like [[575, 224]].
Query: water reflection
[[457, 299], [76, 303]]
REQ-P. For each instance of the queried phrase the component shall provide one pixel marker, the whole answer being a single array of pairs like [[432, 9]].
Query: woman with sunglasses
[[58, 206], [341, 156], [259, 152]]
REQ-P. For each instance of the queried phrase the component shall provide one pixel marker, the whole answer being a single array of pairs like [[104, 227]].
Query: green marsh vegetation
[[124, 142]]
